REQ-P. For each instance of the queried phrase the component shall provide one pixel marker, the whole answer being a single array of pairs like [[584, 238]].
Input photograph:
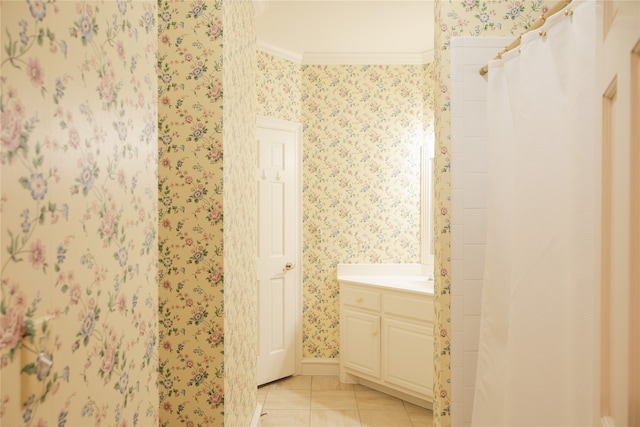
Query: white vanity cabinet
[[386, 339]]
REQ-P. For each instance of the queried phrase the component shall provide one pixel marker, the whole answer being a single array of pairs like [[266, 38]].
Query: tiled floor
[[323, 401]]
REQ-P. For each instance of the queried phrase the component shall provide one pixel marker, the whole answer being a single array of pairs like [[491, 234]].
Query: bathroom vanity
[[386, 329]]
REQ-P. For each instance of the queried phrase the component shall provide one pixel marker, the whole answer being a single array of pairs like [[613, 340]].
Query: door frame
[[265, 122], [617, 47]]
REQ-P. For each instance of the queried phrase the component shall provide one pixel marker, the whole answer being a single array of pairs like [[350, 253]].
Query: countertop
[[407, 277]]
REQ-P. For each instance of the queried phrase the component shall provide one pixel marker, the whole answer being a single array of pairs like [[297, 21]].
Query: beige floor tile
[[288, 399], [335, 418], [285, 417], [299, 382], [329, 382], [384, 418], [361, 387], [369, 392], [335, 404], [372, 400], [333, 399], [410, 407], [421, 419]]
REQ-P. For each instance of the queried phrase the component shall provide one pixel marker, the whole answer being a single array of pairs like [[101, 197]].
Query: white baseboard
[[255, 421], [313, 366]]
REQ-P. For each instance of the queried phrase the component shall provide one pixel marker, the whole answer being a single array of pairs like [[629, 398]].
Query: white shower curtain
[[535, 360]]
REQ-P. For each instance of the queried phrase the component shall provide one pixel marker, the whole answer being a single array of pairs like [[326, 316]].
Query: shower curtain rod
[[539, 23]]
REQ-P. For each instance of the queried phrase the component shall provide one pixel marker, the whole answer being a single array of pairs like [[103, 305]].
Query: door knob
[[288, 266]]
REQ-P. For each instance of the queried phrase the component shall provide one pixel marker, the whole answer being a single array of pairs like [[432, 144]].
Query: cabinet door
[[360, 349], [408, 355]]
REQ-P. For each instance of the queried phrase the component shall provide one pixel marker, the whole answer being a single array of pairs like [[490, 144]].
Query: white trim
[[328, 58], [317, 366], [272, 49], [279, 124], [427, 204], [299, 261], [255, 421], [296, 128], [428, 56]]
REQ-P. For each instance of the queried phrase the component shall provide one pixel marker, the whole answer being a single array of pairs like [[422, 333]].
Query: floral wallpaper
[[78, 158], [279, 88], [459, 18], [240, 210], [190, 199], [363, 128]]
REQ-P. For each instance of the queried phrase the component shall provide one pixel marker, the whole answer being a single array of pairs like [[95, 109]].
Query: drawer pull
[[358, 299], [374, 333]]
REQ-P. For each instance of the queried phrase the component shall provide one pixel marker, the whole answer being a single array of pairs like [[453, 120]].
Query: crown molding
[[428, 56], [272, 49]]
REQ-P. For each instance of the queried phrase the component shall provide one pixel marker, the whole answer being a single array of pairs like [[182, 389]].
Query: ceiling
[[332, 31]]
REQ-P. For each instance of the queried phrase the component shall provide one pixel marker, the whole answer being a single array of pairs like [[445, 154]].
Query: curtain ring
[[542, 33], [568, 12]]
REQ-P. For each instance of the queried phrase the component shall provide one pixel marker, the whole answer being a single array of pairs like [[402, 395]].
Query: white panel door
[[619, 296], [278, 257]]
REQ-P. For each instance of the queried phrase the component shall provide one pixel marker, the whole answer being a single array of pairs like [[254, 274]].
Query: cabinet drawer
[[413, 307], [360, 298]]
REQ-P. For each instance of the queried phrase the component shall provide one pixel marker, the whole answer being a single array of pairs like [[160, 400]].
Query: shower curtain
[[535, 360]]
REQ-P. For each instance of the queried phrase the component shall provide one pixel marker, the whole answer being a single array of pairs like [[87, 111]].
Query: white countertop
[[407, 277]]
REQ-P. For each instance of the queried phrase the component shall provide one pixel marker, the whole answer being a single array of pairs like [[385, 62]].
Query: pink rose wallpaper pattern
[[81, 84], [79, 221], [190, 209]]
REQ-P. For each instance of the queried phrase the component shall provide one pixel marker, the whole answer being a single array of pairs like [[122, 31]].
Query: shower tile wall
[[469, 215]]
